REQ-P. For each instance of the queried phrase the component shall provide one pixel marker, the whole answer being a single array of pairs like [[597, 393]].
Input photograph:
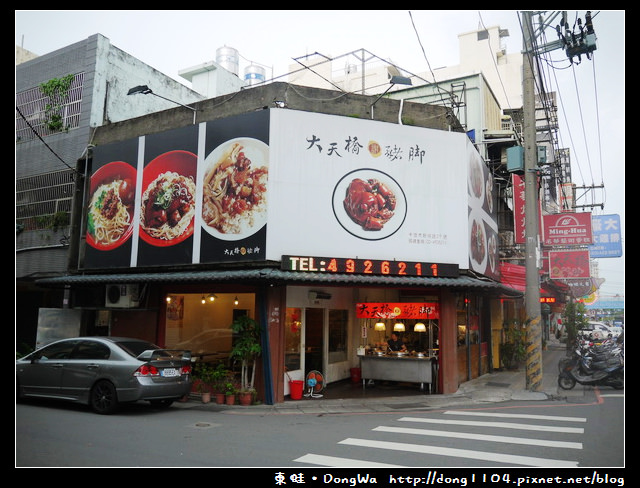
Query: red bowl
[[184, 163], [115, 170]]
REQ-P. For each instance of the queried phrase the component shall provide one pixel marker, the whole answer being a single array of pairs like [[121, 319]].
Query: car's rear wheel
[[103, 398]]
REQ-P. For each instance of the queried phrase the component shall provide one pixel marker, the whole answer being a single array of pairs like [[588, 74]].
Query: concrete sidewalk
[[495, 387]]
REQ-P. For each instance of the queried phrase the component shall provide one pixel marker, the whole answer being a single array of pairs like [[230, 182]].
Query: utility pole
[[575, 45], [532, 291]]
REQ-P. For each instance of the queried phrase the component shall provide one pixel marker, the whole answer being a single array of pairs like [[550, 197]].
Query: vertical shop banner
[[234, 178], [567, 229], [345, 187], [519, 205], [607, 237]]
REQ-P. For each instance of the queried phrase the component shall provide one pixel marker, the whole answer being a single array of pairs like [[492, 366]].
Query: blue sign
[[613, 303], [607, 238]]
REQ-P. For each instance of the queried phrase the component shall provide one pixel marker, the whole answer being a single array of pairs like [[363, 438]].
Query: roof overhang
[[277, 276]]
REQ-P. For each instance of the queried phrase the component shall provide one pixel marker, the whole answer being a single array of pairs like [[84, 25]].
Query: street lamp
[[393, 80], [145, 90]]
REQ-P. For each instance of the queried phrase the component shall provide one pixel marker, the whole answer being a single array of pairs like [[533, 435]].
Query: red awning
[[515, 276]]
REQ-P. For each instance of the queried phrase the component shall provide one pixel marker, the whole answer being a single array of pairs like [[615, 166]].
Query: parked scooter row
[[593, 364]]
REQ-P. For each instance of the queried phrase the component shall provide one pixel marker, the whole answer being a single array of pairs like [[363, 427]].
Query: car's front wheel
[[103, 398]]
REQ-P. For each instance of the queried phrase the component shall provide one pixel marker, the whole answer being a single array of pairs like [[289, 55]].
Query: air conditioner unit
[[121, 296]]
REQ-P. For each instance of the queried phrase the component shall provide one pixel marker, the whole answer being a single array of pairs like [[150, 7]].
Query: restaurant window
[[293, 326], [201, 323]]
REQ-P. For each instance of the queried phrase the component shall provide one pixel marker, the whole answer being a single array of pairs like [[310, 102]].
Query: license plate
[[170, 372]]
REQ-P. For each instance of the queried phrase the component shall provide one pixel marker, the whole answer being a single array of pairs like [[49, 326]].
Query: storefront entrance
[[313, 334]]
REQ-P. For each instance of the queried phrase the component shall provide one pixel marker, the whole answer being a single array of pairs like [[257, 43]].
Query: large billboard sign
[[279, 182]]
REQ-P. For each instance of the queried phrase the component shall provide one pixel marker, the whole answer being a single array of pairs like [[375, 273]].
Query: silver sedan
[[103, 372]]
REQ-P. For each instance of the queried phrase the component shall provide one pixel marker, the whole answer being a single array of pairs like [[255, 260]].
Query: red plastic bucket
[[355, 375], [295, 388]]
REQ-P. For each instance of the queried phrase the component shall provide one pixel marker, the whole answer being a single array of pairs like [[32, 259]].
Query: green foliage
[[210, 378], [57, 91], [246, 349], [230, 388], [573, 319], [514, 350]]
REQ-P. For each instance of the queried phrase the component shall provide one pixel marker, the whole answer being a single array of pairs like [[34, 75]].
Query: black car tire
[[103, 398]]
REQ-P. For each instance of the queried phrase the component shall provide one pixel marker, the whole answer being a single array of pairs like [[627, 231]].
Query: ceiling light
[[398, 327], [419, 327]]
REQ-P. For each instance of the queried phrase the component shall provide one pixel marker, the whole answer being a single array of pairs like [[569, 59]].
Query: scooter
[[580, 369]]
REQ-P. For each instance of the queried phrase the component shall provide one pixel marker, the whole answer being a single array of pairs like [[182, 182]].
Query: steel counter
[[409, 369]]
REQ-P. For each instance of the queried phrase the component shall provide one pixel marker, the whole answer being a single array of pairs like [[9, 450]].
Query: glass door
[[313, 339]]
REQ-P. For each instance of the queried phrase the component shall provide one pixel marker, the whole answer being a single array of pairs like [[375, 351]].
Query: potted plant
[[219, 377], [202, 381], [246, 349], [230, 391]]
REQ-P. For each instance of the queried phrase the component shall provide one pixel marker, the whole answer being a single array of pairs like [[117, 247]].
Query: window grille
[[43, 201], [31, 104]]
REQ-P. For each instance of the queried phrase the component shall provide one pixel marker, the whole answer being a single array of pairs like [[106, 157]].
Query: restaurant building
[[292, 205]]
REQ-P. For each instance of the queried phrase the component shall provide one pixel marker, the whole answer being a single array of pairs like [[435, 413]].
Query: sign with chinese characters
[[344, 187], [401, 310], [569, 264], [567, 229], [607, 238]]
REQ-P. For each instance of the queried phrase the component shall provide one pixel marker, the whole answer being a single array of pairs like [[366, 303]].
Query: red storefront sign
[[400, 310], [568, 229], [569, 264]]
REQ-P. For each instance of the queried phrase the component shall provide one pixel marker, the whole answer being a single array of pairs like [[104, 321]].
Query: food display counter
[[410, 369]]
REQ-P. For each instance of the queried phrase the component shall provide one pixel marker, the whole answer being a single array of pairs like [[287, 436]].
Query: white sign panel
[[346, 187]]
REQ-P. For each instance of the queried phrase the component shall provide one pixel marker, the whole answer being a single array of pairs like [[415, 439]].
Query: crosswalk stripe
[[500, 425], [338, 462], [463, 453], [516, 416], [482, 437]]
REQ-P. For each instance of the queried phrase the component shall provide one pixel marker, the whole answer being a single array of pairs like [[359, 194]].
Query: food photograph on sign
[[483, 244], [168, 199], [369, 204], [234, 189], [111, 206]]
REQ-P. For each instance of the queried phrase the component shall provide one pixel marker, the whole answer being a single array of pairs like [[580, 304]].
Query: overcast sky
[[591, 98]]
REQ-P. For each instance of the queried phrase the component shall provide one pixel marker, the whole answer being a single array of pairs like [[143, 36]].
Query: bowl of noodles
[[111, 205], [167, 206]]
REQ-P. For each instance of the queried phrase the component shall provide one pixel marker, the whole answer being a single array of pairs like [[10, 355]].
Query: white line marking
[[337, 462], [483, 437], [462, 453], [500, 425], [516, 416]]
